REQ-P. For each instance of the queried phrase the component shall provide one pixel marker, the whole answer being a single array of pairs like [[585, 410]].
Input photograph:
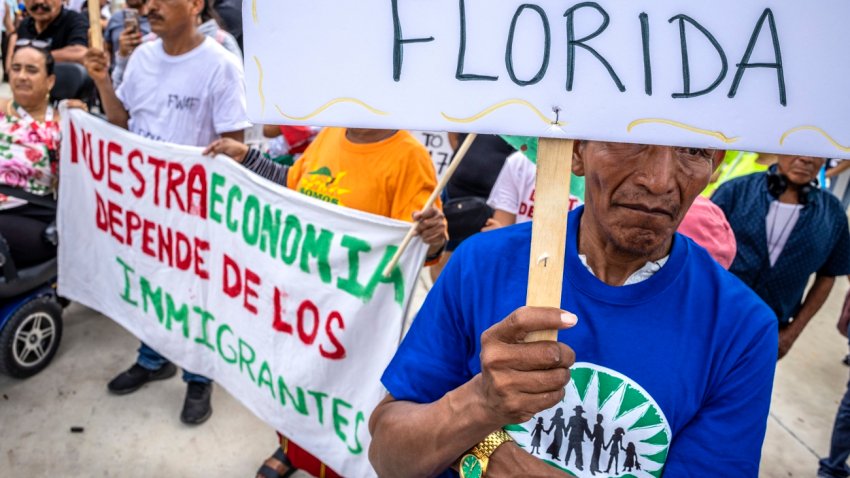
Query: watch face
[[470, 467]]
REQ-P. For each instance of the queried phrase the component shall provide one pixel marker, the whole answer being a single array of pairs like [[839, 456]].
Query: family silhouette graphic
[[575, 430]]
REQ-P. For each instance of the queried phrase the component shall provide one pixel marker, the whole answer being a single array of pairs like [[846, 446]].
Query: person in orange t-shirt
[[383, 172]]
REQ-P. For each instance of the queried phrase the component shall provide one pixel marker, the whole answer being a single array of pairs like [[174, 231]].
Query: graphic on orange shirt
[[323, 185]]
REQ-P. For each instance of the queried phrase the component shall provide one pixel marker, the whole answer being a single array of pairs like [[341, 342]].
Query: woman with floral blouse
[[29, 147]]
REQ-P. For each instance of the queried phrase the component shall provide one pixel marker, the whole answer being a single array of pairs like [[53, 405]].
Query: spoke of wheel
[[36, 323], [25, 355], [39, 352], [23, 337], [47, 334]]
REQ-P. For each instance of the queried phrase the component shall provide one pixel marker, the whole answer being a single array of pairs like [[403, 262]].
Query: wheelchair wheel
[[30, 338]]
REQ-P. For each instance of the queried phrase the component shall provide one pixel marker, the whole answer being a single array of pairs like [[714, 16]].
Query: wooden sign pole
[[444, 181], [549, 228], [95, 27]]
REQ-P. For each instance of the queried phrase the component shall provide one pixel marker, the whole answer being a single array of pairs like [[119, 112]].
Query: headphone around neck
[[777, 184]]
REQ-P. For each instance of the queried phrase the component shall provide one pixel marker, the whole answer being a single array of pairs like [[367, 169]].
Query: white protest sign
[[438, 146], [278, 297], [762, 76]]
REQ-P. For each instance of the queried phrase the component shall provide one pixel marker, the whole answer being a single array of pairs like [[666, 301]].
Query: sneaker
[[196, 407], [133, 378], [846, 360]]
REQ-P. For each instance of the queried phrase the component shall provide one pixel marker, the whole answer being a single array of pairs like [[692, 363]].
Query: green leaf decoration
[[324, 171], [659, 457], [581, 379], [631, 400], [649, 419], [659, 439], [607, 386]]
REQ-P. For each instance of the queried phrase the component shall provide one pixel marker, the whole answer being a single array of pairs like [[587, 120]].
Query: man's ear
[[197, 7], [716, 159], [578, 158]]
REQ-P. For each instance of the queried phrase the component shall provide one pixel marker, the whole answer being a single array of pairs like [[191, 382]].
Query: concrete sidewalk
[[140, 435]]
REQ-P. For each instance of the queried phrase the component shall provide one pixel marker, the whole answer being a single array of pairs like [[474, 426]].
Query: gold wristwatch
[[474, 463]]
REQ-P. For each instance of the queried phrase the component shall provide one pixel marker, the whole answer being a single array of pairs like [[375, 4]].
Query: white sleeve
[[505, 193], [230, 106], [120, 63], [125, 84]]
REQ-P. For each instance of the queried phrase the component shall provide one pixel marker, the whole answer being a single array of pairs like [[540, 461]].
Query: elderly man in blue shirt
[[787, 229], [669, 354]]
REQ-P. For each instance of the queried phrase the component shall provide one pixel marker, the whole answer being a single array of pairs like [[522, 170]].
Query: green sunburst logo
[[606, 426]]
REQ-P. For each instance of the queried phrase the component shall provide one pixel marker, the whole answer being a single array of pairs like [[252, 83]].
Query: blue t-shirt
[[819, 242], [679, 367]]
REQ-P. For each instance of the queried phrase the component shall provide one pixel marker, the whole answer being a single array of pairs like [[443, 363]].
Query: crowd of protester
[[765, 218]]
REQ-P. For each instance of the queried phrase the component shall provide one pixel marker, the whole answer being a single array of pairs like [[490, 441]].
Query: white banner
[[761, 76], [277, 297]]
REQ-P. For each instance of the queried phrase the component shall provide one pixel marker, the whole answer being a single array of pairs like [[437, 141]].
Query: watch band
[[436, 255], [488, 446]]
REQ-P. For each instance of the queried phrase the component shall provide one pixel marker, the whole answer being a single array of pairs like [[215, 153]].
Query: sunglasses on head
[[40, 44]]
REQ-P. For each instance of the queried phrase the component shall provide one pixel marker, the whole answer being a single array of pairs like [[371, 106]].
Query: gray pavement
[[140, 435]]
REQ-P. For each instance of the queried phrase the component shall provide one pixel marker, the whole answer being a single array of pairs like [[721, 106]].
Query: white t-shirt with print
[[514, 189], [186, 99]]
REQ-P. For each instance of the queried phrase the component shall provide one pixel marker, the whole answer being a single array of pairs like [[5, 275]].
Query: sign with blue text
[[761, 76]]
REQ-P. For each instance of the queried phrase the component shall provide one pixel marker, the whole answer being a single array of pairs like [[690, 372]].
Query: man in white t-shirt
[[183, 88], [512, 197]]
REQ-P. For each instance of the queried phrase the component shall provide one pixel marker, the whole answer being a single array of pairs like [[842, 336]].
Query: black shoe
[[134, 377], [196, 407], [846, 360]]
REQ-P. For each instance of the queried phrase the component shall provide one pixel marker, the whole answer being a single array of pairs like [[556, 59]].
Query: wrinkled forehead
[[630, 147], [632, 151]]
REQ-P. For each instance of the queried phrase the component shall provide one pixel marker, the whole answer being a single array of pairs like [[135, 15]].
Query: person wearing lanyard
[[29, 142], [787, 229]]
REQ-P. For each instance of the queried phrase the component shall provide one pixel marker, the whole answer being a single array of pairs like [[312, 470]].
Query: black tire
[[26, 346]]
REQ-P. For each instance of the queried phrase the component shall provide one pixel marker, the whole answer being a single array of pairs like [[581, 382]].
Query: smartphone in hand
[[131, 20]]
